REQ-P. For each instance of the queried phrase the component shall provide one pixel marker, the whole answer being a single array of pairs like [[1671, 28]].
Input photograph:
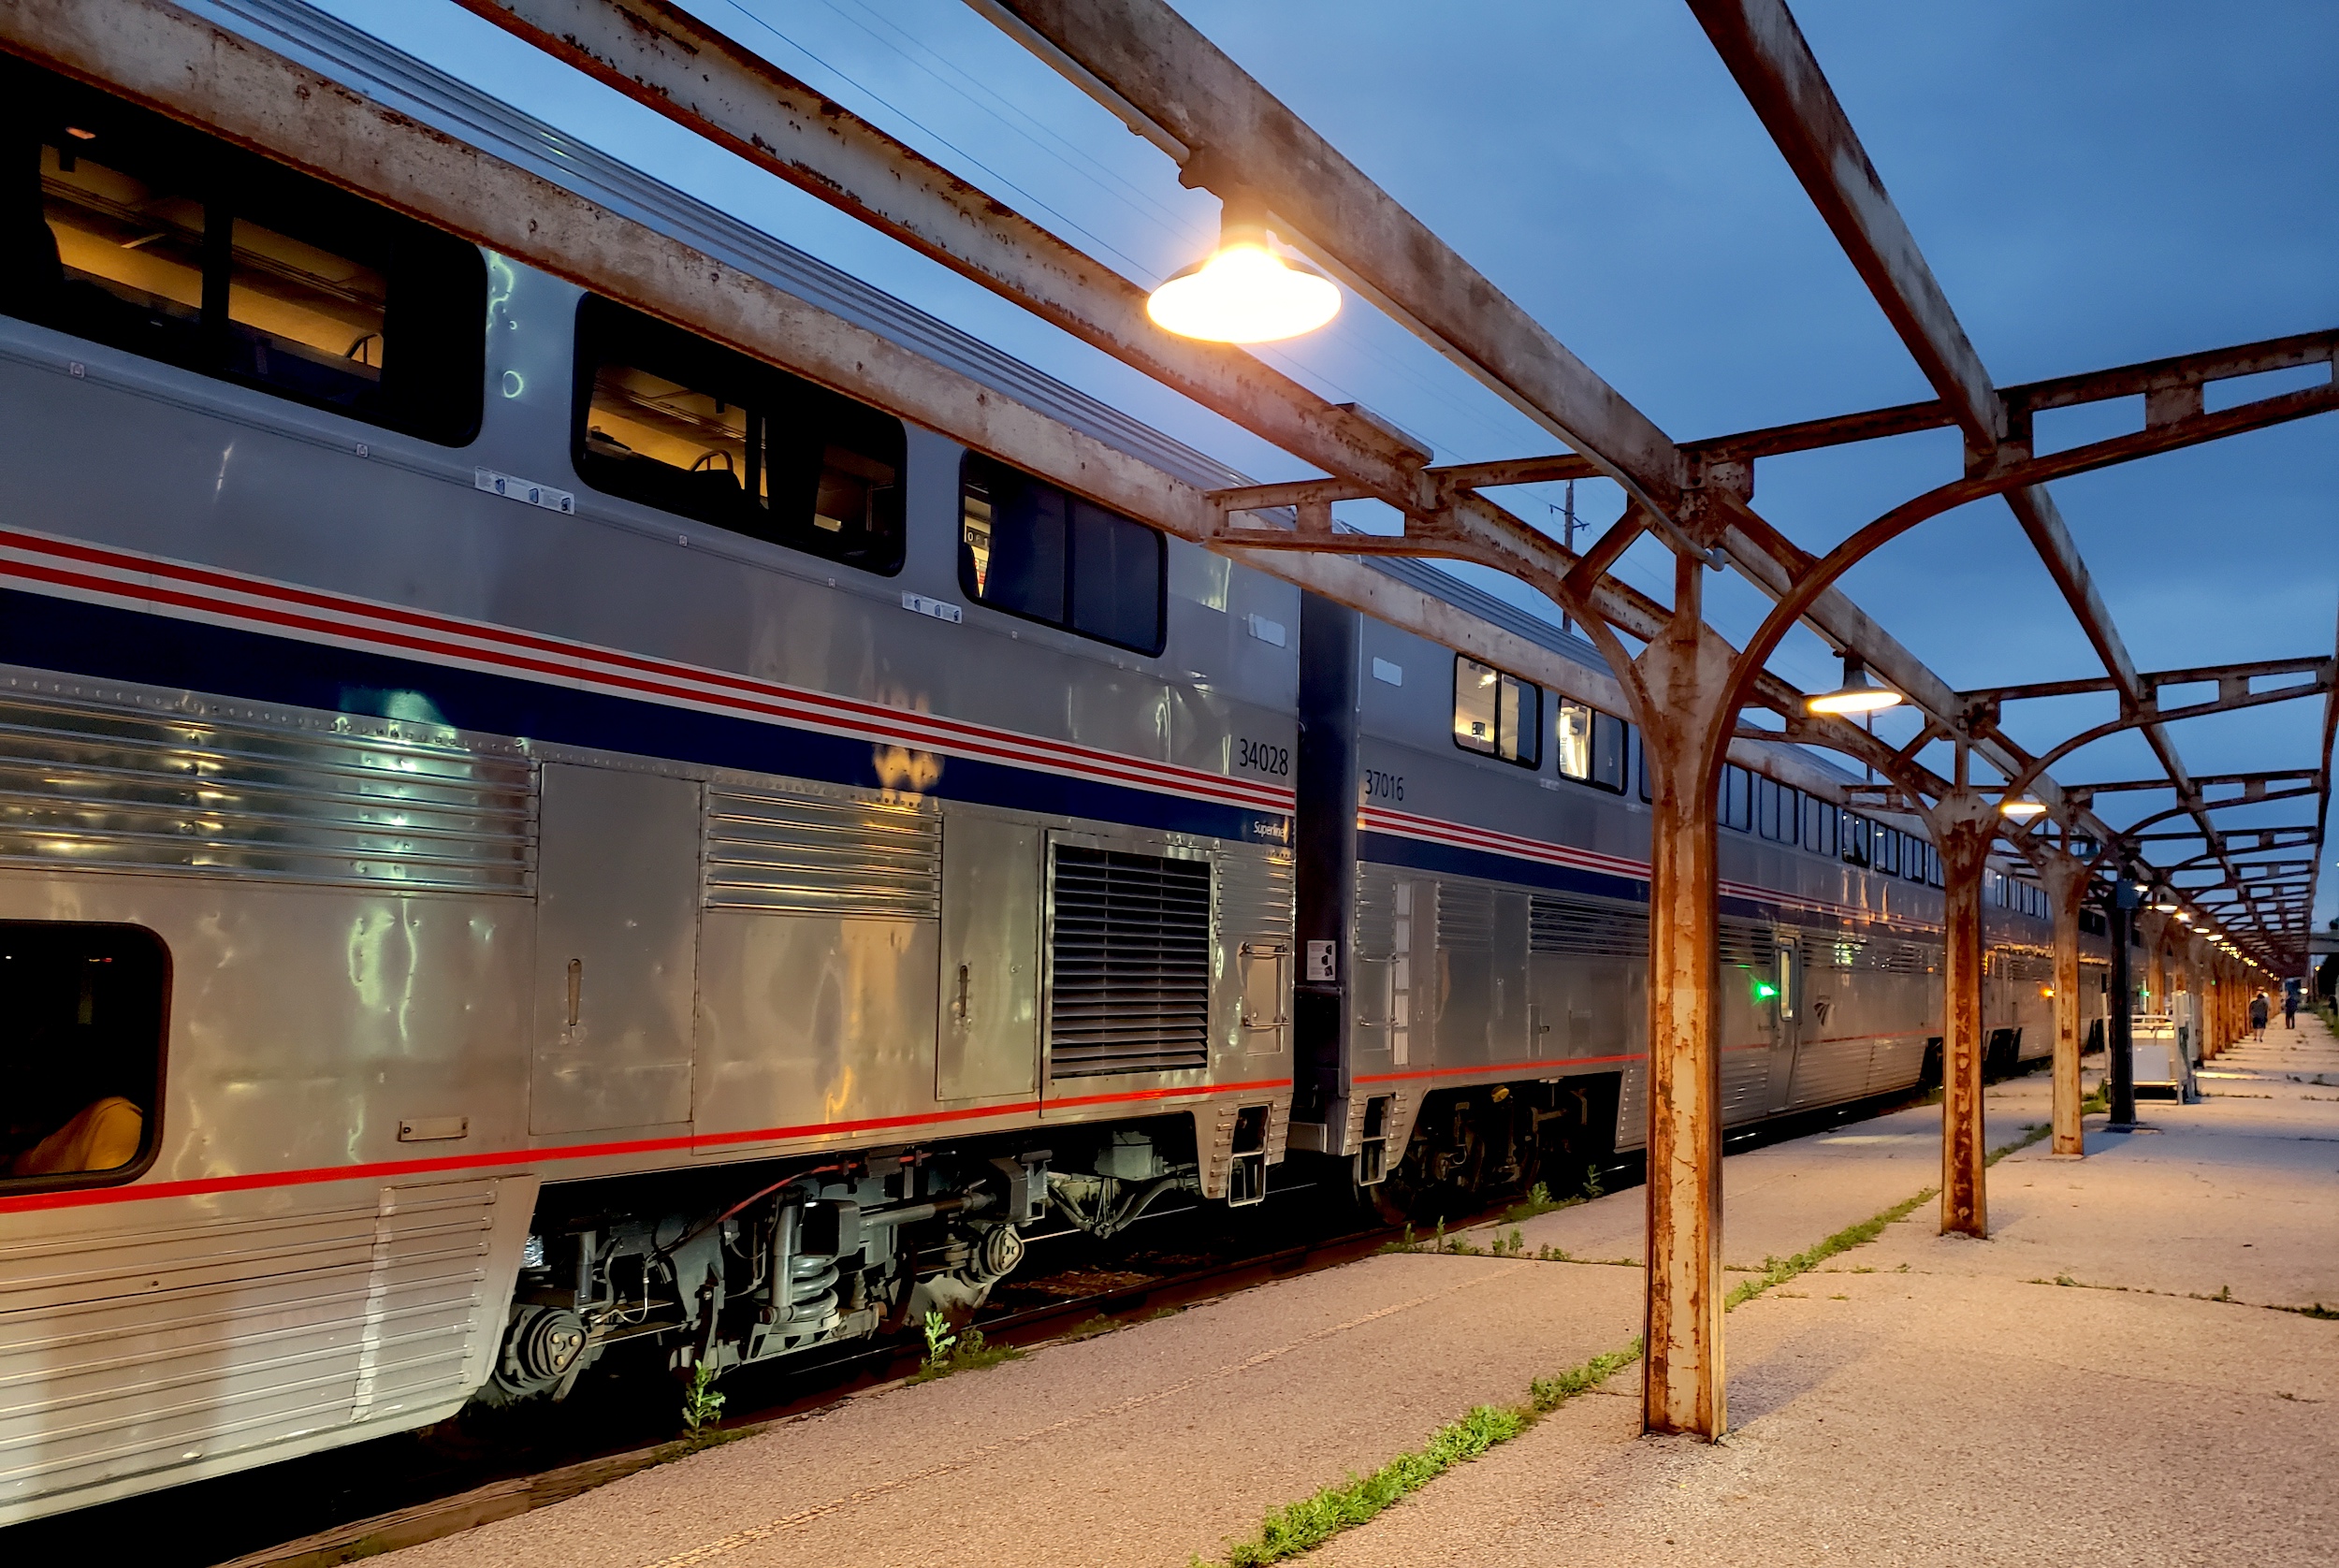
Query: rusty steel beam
[[1765, 52], [2153, 680], [2066, 878], [1243, 141]]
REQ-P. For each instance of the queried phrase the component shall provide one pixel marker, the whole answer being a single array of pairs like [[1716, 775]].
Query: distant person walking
[[2258, 1015], [2289, 1010]]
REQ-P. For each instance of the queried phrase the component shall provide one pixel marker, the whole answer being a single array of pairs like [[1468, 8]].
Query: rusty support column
[[2066, 879], [1963, 826], [2197, 999], [2153, 927], [1685, 678]]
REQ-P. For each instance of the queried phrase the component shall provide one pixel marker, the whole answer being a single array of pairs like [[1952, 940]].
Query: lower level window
[[81, 1016]]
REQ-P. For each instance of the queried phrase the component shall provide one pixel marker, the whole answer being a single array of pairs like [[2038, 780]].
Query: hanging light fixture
[[1245, 291], [1856, 694], [2022, 808]]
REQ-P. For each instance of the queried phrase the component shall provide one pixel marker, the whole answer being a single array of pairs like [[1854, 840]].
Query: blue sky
[[2094, 182]]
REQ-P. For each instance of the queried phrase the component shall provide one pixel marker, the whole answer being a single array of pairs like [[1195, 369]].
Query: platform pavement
[[1155, 1443], [1960, 1404]]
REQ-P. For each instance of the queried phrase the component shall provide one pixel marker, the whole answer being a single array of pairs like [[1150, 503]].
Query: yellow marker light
[[2047, 993], [1244, 292], [2021, 810]]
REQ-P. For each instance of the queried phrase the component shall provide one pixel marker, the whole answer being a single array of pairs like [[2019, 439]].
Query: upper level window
[[674, 421], [1820, 821], [141, 233], [81, 1010], [1735, 806], [1502, 716], [1036, 551], [1855, 838]]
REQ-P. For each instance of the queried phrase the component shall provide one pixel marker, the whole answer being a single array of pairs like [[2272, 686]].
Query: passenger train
[[517, 841]]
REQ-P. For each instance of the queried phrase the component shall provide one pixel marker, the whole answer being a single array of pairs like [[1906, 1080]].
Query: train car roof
[[357, 60]]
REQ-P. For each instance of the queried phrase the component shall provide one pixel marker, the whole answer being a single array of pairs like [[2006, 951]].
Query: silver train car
[[516, 843]]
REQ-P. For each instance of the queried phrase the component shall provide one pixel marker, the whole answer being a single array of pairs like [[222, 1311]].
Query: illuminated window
[[1570, 737], [673, 421], [163, 241], [1033, 550], [1498, 715]]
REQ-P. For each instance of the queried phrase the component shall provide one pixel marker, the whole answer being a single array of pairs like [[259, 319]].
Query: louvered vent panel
[[1129, 963], [798, 854], [1749, 946], [1377, 912], [1465, 917], [1580, 928], [109, 786], [1256, 891]]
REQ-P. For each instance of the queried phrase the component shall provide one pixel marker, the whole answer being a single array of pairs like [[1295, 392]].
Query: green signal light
[[1765, 990]]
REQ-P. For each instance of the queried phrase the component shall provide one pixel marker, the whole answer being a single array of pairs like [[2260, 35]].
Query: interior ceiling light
[[1245, 291], [2021, 809], [1856, 694]]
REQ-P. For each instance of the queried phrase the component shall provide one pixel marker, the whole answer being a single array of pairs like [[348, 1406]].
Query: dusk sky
[[2094, 182]]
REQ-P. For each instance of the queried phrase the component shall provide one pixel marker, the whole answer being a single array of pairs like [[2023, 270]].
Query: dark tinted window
[[1607, 750], [673, 421], [125, 228], [1737, 806], [1033, 550], [81, 1010], [1855, 838]]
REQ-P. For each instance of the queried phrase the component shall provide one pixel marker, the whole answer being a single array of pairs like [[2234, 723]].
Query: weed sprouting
[[702, 1406], [968, 1351]]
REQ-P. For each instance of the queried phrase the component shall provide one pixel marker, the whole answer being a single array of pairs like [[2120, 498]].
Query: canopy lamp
[[2022, 808], [1856, 694], [2164, 901], [1245, 291]]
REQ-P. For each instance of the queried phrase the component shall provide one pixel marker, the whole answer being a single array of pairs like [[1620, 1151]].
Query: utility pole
[[2118, 1036], [1567, 532]]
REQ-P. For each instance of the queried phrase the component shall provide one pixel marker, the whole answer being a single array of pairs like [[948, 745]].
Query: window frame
[[445, 406], [151, 1132], [609, 332], [1069, 624], [1493, 750]]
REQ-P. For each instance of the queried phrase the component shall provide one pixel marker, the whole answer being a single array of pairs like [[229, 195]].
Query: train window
[[81, 1010], [1571, 734], [1737, 806], [1915, 865], [671, 420], [1030, 549], [1640, 768], [156, 238], [1608, 751], [1855, 838], [1771, 802], [1819, 826], [1502, 716]]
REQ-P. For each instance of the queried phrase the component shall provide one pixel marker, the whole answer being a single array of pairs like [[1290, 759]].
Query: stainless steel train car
[[515, 842]]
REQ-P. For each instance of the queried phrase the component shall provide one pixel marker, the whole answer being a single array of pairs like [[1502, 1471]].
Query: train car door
[[617, 948], [987, 1044], [1788, 1007]]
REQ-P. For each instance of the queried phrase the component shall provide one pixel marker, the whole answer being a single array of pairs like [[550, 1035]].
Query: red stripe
[[569, 662], [1540, 1069], [135, 1192]]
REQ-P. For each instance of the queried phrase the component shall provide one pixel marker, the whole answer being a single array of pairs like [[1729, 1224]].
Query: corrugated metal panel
[[1256, 894], [1745, 1085], [131, 1351], [801, 854], [1128, 964], [1580, 927], [100, 786], [1883, 955], [1377, 911]]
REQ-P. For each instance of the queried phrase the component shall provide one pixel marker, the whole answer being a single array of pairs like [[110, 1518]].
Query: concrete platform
[[1919, 1401]]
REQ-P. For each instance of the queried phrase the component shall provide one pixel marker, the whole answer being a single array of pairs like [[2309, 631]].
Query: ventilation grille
[[2026, 967], [1465, 917], [1129, 963], [792, 854], [110, 787], [1575, 928], [1377, 912], [1885, 956], [1256, 891], [1752, 947]]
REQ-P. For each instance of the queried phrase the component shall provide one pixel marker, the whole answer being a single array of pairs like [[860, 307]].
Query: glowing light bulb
[[1244, 292], [2021, 810], [1855, 695]]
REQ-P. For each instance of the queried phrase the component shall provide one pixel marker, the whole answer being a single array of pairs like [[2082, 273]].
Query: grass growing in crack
[[2031, 1133], [1300, 1527], [1540, 1201], [947, 1353], [702, 1406], [1778, 1272]]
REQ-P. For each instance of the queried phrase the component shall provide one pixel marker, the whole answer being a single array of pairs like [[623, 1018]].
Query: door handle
[[576, 988]]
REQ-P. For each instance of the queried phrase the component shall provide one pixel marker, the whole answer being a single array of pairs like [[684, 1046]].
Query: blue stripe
[[1414, 854], [104, 643]]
